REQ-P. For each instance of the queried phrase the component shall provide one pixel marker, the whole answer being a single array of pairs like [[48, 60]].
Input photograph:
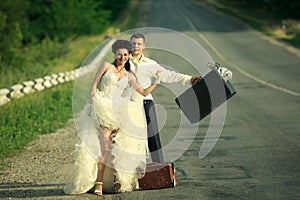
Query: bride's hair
[[127, 65], [122, 44]]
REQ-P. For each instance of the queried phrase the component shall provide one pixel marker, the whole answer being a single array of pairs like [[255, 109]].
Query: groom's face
[[137, 45]]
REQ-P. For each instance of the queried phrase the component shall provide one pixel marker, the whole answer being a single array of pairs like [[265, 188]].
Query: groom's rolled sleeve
[[168, 76]]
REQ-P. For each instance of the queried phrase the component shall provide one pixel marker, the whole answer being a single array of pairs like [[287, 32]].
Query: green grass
[[23, 120], [47, 58]]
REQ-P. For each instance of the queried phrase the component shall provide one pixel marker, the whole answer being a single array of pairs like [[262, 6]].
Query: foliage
[[284, 9], [116, 7], [62, 19], [44, 112], [32, 61], [22, 120], [36, 33], [277, 8], [29, 22]]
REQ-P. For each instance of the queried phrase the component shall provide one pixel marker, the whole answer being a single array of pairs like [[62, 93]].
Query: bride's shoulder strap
[[107, 66]]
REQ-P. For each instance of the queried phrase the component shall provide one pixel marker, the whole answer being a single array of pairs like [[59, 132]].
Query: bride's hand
[[158, 76]]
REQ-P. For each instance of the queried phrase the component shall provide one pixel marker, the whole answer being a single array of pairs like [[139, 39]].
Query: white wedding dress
[[129, 150]]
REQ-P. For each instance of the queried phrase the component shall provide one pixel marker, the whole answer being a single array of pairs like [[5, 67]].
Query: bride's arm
[[101, 71], [137, 87]]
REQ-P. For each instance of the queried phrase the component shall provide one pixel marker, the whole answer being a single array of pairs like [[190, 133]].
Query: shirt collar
[[142, 59]]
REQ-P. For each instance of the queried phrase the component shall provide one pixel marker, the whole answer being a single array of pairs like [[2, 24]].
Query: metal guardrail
[[40, 84]]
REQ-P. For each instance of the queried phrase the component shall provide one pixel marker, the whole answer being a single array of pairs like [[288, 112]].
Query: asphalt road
[[257, 154]]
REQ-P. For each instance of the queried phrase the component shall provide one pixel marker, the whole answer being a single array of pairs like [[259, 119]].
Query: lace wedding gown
[[127, 160]]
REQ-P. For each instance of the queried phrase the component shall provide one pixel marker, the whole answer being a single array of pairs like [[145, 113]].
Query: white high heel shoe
[[98, 192]]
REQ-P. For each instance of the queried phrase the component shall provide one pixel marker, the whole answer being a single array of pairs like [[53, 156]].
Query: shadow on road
[[30, 190]]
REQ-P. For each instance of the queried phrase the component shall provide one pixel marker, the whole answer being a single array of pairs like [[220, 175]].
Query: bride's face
[[122, 56]]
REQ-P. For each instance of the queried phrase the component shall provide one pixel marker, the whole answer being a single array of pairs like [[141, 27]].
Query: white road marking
[[202, 37]]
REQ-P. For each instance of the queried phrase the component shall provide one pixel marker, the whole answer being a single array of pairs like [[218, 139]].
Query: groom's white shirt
[[145, 70]]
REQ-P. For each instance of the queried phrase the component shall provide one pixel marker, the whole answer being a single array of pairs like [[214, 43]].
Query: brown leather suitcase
[[158, 175], [204, 96]]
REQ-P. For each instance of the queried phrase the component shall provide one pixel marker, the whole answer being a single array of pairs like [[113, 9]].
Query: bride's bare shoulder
[[105, 66]]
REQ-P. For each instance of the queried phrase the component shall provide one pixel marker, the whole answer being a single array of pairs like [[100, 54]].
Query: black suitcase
[[204, 96]]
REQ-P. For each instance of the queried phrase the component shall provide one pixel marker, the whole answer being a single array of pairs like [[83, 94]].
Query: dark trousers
[[154, 144]]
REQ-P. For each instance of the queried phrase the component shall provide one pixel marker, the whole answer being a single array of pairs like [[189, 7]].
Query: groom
[[145, 70]]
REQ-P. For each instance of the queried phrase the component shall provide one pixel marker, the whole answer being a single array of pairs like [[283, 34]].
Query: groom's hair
[[138, 35]]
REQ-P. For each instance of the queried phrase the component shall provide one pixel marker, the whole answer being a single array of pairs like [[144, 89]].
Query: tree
[[12, 21], [62, 19]]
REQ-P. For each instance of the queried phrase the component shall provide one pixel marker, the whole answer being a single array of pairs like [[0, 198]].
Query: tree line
[[27, 22], [280, 9]]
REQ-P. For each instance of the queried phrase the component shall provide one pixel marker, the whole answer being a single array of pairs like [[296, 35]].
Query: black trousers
[[154, 144]]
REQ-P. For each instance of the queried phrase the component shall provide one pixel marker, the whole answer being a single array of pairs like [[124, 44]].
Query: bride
[[111, 152]]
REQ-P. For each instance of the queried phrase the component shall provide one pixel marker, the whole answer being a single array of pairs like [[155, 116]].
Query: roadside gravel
[[40, 171]]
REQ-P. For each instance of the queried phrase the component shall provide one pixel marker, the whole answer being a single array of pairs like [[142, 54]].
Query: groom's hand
[[194, 79]]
